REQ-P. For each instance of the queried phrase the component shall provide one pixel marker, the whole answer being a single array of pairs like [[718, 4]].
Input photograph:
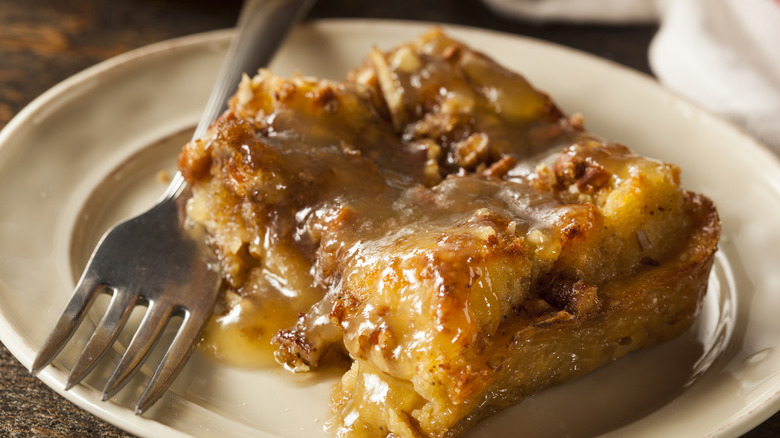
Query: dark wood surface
[[43, 42]]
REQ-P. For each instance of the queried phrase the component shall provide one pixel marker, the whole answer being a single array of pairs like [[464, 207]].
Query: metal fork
[[151, 259]]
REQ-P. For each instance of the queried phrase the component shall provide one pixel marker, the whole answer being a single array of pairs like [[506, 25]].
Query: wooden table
[[43, 42]]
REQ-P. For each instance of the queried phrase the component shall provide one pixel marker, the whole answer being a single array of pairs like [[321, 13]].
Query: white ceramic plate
[[87, 153]]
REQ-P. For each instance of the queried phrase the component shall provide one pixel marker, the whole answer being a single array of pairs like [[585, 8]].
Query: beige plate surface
[[89, 152]]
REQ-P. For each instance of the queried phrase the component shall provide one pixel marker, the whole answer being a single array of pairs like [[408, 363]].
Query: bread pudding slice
[[444, 226]]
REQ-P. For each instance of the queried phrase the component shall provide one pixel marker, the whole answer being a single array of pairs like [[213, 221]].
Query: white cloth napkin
[[725, 56], [721, 54]]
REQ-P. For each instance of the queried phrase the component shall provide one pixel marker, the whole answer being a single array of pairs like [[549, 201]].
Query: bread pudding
[[443, 228]]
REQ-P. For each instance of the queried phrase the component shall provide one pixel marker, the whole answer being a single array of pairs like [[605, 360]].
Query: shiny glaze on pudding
[[440, 225]]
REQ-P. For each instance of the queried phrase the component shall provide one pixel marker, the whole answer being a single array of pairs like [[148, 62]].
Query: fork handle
[[262, 27]]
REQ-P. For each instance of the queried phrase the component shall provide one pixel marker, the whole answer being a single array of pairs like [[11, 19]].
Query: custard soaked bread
[[444, 226]]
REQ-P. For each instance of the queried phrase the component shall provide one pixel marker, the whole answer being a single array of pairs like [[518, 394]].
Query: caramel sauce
[[242, 336], [329, 180]]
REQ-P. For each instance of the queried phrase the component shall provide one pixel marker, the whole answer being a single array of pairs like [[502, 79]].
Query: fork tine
[[83, 296], [105, 333], [180, 350], [141, 345]]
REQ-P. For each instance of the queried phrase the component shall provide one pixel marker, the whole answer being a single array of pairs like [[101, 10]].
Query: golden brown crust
[[444, 225]]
